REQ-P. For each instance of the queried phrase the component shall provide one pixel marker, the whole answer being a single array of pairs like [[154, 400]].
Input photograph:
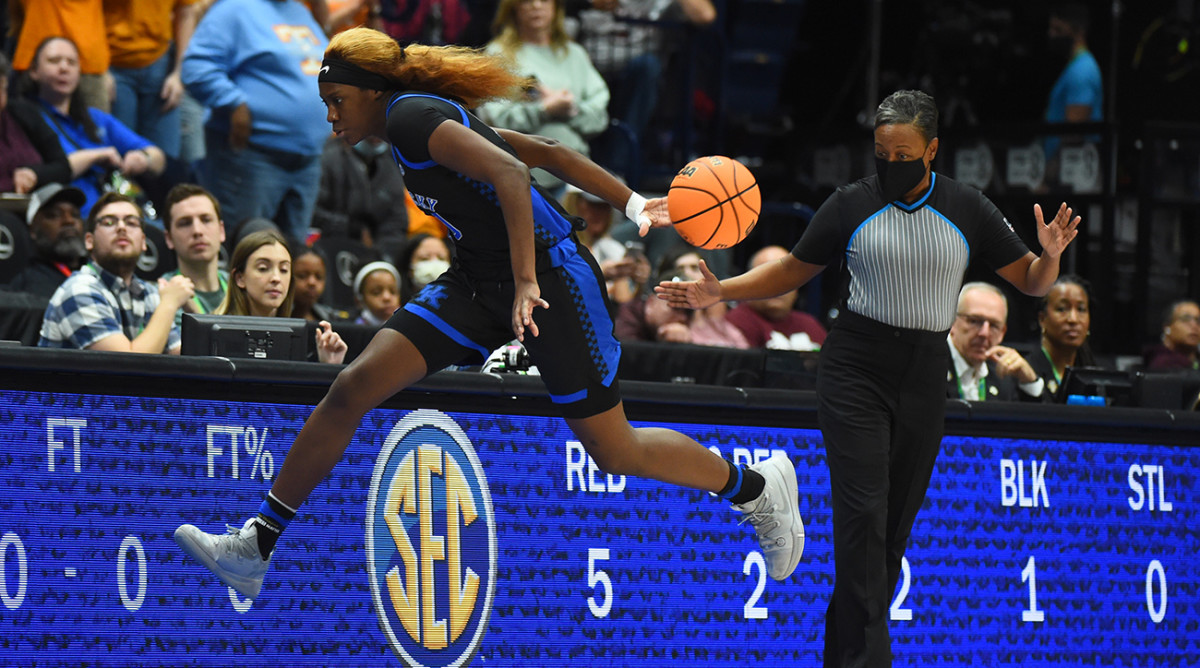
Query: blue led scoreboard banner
[[456, 538]]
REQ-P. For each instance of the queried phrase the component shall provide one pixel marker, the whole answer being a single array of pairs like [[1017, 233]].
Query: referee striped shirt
[[907, 261]]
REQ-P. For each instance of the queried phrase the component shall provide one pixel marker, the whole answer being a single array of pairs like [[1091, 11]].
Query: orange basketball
[[714, 202]]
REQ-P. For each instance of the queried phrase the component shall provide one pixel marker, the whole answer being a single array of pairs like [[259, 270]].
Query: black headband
[[335, 70]]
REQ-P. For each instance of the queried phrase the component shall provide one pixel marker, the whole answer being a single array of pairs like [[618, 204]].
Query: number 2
[[752, 610], [898, 613]]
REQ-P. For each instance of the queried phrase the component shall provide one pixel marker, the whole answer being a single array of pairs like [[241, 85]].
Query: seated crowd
[[275, 217]]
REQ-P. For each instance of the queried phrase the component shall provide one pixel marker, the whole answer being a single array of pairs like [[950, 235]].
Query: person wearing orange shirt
[[33, 21], [147, 40]]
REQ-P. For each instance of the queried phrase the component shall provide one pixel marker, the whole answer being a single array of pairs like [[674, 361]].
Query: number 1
[[1029, 573]]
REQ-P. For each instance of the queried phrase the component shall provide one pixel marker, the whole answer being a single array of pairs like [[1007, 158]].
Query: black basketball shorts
[[460, 320]]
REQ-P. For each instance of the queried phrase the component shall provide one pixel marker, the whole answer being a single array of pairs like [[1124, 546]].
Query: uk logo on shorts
[[431, 542]]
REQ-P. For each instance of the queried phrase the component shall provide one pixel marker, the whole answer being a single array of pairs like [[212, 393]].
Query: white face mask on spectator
[[426, 271]]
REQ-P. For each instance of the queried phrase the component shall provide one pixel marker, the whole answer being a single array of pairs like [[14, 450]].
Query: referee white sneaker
[[775, 516], [234, 557]]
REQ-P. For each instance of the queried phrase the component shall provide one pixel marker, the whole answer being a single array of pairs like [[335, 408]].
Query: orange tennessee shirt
[[81, 20], [140, 31]]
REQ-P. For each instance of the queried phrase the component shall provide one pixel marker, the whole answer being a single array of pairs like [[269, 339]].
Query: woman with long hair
[[518, 272], [261, 284], [96, 143], [568, 99]]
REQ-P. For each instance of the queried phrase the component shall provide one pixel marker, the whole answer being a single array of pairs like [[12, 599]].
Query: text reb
[[582, 470]]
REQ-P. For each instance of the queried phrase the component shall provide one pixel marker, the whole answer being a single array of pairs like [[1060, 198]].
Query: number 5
[[599, 577]]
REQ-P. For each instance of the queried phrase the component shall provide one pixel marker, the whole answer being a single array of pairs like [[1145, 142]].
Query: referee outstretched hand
[[1055, 235], [691, 294]]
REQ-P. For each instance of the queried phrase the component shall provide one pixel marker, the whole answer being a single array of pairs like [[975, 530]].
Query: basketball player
[[907, 235], [517, 253]]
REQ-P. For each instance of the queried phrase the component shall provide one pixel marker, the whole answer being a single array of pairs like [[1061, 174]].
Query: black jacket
[[54, 167], [997, 388]]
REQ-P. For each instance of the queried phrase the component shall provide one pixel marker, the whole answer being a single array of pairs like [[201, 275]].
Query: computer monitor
[[1115, 386], [245, 337]]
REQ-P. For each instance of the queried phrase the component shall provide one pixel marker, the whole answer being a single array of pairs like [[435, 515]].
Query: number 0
[[1157, 614], [135, 602], [13, 602]]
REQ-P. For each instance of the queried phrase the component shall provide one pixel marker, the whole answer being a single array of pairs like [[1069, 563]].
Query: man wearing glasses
[[980, 368], [103, 306]]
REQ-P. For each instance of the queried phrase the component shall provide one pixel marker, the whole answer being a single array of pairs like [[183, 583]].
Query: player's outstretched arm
[[568, 165]]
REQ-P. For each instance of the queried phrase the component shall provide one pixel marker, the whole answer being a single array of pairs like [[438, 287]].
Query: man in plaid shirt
[[103, 306]]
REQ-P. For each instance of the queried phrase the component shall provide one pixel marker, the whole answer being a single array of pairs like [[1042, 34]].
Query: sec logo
[[431, 542]]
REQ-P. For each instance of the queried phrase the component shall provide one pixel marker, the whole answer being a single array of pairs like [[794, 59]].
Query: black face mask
[[896, 179], [1062, 46]]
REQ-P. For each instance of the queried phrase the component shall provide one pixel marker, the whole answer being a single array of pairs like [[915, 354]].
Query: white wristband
[[635, 209]]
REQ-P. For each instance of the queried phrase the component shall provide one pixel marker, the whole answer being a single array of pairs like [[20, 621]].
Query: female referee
[[907, 235], [516, 253]]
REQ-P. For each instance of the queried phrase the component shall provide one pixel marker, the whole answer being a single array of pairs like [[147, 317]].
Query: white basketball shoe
[[234, 557], [775, 516]]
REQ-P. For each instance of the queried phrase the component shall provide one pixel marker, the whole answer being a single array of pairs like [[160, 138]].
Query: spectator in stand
[[1180, 337], [1078, 94], [625, 270], [774, 322], [362, 194], [147, 40], [425, 257], [254, 64], [980, 369], [648, 318], [567, 100], [346, 14], [261, 284], [431, 22], [56, 230], [95, 142], [1065, 318], [195, 231], [709, 326], [103, 306], [309, 270], [30, 155], [629, 56], [377, 290], [81, 21]]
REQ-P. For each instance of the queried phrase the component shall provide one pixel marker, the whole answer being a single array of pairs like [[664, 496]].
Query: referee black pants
[[881, 410]]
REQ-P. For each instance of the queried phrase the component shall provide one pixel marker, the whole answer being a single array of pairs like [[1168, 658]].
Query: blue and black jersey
[[467, 312], [469, 208]]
